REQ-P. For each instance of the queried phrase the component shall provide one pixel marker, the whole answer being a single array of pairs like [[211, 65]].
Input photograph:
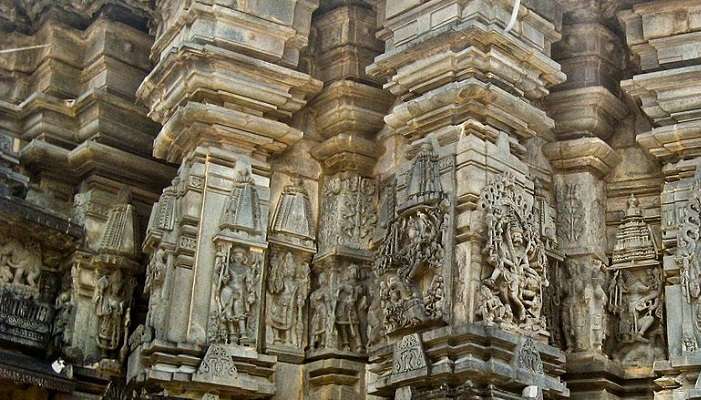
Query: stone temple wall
[[350, 199]]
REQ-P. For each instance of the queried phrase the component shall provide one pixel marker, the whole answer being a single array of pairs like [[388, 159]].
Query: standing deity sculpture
[[584, 316], [348, 299], [155, 278], [288, 287], [516, 256], [111, 299], [235, 295], [320, 306]]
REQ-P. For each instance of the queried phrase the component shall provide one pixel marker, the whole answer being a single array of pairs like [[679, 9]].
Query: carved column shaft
[[449, 63]]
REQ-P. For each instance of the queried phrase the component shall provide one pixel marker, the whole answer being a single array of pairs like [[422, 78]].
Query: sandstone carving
[[350, 199], [410, 261], [515, 254], [287, 289], [112, 299], [235, 294]]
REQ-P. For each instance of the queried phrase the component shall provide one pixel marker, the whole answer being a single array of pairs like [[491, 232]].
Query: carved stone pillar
[[349, 114], [662, 39], [460, 215], [82, 139], [587, 110], [224, 80]]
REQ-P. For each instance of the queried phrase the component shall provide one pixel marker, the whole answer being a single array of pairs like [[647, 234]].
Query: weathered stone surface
[[350, 199]]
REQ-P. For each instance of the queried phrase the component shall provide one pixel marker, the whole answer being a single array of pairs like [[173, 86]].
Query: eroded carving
[[112, 300], [412, 257], [287, 290], [584, 316], [408, 355], [235, 296], [20, 265], [516, 255]]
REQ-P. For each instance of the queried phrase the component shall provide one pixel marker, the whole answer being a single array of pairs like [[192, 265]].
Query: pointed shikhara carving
[[242, 213], [415, 256], [512, 294], [292, 222], [112, 294], [635, 294]]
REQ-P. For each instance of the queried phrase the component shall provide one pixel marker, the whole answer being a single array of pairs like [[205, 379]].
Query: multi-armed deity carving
[[635, 291], [414, 259], [512, 293]]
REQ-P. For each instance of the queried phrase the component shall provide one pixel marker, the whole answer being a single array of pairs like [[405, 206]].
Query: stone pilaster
[[662, 40], [225, 88], [82, 139], [468, 114], [349, 113]]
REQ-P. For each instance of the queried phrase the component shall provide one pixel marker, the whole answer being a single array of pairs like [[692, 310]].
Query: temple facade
[[350, 199]]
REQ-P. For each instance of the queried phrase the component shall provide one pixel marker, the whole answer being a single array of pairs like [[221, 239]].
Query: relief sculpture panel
[[414, 260], [511, 296]]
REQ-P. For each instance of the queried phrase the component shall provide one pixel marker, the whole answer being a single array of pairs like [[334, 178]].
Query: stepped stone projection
[[350, 199]]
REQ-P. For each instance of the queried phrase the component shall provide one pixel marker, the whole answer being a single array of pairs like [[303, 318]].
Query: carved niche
[[512, 294], [635, 293], [115, 261], [286, 298], [288, 284], [236, 296], [112, 301], [414, 260], [238, 266]]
